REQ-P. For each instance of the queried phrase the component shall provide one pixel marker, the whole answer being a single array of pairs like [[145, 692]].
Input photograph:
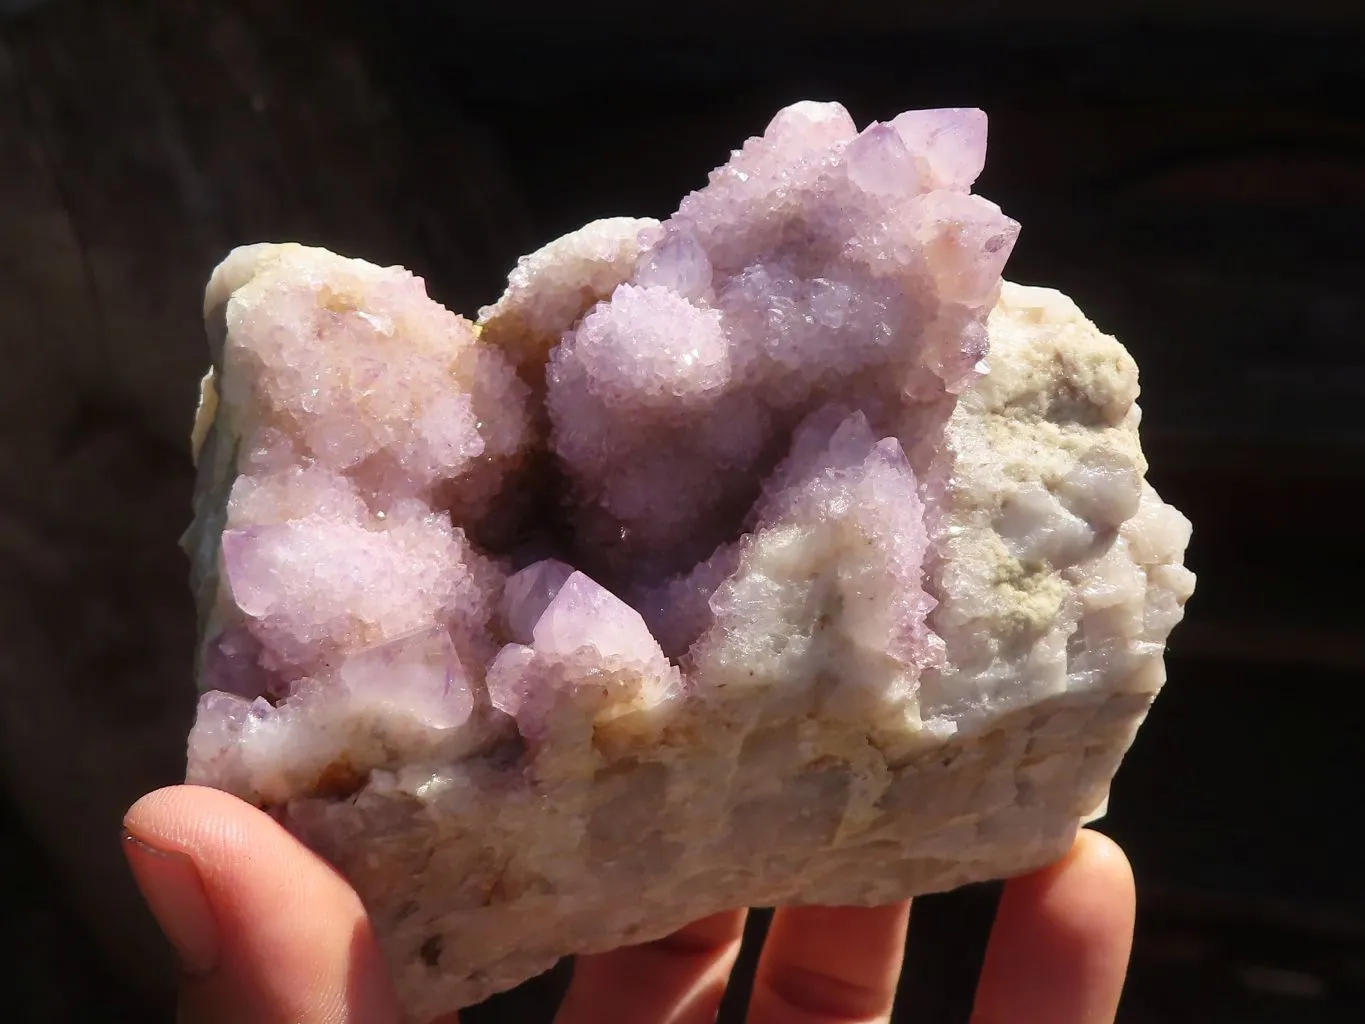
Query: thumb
[[266, 930]]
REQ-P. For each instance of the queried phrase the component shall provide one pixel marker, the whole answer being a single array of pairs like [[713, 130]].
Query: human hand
[[268, 932]]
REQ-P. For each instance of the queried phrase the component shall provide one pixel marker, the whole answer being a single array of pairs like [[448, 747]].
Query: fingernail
[[171, 885]]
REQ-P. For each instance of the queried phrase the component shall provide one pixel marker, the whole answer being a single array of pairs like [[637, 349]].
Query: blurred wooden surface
[[1198, 188]]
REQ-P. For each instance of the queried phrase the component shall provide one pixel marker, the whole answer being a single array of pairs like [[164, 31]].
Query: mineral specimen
[[775, 553]]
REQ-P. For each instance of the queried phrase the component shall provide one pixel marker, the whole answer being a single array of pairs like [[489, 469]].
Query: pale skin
[[268, 933]]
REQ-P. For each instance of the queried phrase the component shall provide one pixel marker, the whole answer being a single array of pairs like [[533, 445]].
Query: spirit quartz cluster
[[775, 553]]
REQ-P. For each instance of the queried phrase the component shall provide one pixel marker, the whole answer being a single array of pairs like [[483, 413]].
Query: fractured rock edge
[[1058, 577]]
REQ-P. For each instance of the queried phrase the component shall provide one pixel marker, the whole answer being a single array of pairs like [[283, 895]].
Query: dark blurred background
[[1193, 173]]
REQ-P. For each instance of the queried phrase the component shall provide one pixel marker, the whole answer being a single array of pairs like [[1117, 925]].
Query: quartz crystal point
[[773, 553]]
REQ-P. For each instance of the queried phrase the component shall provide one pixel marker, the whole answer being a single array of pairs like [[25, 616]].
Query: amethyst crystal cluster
[[774, 553]]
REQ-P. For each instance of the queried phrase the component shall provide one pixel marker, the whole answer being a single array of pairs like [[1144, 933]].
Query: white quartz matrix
[[775, 553]]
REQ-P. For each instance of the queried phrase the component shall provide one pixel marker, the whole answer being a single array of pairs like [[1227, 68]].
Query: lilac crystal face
[[770, 371], [420, 675], [528, 593]]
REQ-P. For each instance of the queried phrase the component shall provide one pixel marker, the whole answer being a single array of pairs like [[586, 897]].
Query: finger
[[680, 979], [267, 931], [830, 965], [1059, 949]]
